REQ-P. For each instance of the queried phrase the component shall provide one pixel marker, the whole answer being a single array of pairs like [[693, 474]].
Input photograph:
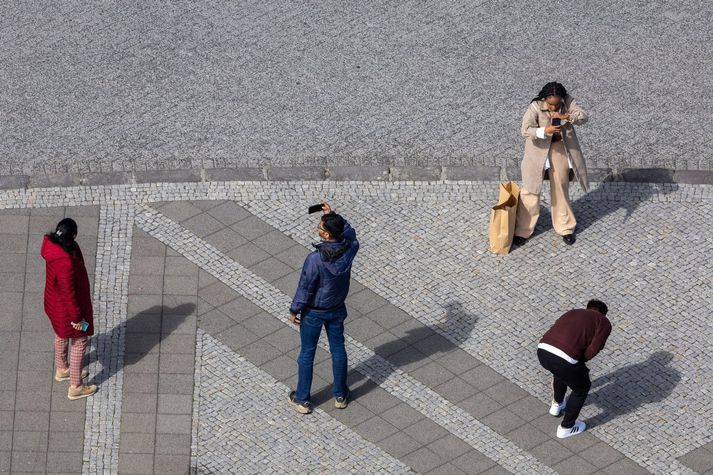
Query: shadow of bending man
[[628, 388], [411, 346], [142, 333]]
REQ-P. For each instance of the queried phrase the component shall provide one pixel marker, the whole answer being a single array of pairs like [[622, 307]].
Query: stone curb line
[[340, 173]]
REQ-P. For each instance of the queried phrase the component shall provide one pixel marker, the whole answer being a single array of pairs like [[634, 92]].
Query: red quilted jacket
[[67, 295]]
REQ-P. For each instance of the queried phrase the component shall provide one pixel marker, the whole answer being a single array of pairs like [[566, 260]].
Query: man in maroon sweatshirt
[[575, 338]]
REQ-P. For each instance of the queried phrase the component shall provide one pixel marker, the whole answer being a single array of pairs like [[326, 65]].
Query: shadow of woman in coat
[[599, 202], [142, 333]]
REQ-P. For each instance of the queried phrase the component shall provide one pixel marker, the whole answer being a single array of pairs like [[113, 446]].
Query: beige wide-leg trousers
[[528, 209]]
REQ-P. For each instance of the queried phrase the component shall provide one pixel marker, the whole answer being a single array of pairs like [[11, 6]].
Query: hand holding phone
[[323, 206], [556, 121]]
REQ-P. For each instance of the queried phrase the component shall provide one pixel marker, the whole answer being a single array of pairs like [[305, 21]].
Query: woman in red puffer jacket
[[68, 304]]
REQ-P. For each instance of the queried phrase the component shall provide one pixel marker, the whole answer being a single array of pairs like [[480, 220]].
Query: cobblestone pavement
[[442, 333], [236, 391], [159, 86]]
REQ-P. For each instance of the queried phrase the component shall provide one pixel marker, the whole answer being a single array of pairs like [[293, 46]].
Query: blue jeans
[[310, 329]]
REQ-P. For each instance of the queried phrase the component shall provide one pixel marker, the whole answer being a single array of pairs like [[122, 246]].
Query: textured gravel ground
[[112, 86]]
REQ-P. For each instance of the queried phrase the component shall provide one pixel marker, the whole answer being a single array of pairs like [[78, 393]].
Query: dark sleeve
[[307, 287], [350, 234], [599, 339]]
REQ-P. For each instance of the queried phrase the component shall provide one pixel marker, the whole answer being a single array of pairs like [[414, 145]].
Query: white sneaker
[[556, 409], [577, 428]]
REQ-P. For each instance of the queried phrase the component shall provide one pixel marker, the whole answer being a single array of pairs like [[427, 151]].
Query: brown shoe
[[79, 392], [63, 375]]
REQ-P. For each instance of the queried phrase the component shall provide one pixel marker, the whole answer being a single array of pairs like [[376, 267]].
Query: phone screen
[[556, 122]]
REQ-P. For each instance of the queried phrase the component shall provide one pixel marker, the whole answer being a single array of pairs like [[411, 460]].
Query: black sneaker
[[569, 239], [301, 407], [342, 402], [518, 241]]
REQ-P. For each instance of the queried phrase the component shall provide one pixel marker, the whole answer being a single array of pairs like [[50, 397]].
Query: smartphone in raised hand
[[314, 208]]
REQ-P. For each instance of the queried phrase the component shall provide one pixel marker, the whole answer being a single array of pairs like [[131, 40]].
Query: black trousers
[[565, 374]]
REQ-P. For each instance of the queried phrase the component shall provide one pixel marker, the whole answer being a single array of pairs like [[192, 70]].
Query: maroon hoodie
[[579, 333], [67, 295]]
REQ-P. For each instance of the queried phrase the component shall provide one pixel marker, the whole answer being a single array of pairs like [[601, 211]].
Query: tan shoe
[[79, 392], [63, 375]]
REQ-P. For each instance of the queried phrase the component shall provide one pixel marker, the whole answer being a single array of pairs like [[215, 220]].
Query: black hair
[[64, 235], [333, 224], [551, 89], [597, 305]]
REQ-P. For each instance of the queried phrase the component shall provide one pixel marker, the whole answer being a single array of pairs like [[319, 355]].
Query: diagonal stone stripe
[[416, 293], [233, 392], [392, 379], [111, 285]]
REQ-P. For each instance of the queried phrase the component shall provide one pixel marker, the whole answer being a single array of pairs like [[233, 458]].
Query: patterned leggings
[[76, 357]]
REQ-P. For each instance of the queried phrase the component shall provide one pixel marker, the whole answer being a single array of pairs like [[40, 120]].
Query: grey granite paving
[[417, 278], [234, 393], [219, 84], [40, 429], [398, 383], [157, 397], [392, 334], [636, 369]]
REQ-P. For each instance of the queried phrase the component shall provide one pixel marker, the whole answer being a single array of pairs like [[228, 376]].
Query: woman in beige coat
[[552, 149]]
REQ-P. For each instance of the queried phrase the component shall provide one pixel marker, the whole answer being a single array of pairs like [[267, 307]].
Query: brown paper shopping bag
[[501, 229]]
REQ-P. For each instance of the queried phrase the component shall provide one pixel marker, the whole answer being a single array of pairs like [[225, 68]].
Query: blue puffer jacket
[[324, 282]]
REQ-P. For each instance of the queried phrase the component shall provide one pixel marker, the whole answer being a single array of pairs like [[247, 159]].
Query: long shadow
[[144, 331], [633, 386], [409, 347], [598, 204]]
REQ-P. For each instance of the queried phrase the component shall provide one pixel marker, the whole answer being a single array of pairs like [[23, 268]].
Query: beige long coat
[[536, 149]]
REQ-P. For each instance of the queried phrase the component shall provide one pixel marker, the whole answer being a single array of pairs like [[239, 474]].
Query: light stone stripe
[[461, 191], [111, 285], [396, 382], [234, 393]]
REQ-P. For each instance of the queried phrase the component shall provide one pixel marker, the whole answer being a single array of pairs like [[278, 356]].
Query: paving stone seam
[[390, 378], [196, 412]]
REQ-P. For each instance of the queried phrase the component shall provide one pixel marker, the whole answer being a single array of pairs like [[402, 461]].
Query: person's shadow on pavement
[[169, 318], [597, 204], [628, 388], [415, 345]]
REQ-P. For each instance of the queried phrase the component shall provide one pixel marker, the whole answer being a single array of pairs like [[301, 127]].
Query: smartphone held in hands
[[557, 122], [314, 208]]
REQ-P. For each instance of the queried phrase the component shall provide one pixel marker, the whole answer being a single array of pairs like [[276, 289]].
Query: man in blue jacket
[[319, 302]]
